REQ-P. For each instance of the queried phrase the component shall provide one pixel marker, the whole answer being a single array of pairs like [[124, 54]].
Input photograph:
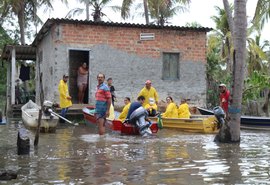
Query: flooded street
[[77, 155]]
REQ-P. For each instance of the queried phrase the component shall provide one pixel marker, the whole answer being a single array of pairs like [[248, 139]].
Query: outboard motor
[[138, 118], [220, 115], [47, 106]]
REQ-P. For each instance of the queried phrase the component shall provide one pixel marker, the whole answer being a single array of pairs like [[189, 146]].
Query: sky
[[200, 11]]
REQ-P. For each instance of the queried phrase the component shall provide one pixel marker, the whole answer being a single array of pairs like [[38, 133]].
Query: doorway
[[76, 59]]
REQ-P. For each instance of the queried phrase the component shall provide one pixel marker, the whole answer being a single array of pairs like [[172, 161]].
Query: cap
[[148, 82], [65, 75], [222, 85]]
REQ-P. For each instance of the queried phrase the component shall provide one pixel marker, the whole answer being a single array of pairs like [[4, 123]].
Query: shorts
[[100, 115]]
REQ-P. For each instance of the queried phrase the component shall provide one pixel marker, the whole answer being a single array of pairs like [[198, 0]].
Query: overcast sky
[[200, 11]]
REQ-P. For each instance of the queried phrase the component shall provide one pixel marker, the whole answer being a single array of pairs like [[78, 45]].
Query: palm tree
[[162, 10], [262, 12], [232, 133], [223, 31], [257, 55], [25, 10], [97, 7], [125, 9]]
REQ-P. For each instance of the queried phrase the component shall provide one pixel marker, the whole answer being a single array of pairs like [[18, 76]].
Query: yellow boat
[[197, 123]]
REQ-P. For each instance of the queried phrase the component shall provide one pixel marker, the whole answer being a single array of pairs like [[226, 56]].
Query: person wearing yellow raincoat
[[124, 112], [65, 98], [151, 107], [148, 92], [183, 110], [171, 110]]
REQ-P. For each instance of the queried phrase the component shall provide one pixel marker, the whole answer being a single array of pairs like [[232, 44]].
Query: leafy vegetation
[[4, 39]]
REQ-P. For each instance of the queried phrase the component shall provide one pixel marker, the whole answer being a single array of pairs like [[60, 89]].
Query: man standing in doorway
[[65, 98], [103, 103], [224, 97]]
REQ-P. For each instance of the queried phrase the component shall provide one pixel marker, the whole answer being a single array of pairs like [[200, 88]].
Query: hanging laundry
[[24, 73]]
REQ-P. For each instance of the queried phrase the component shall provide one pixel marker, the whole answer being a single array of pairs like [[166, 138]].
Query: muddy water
[[77, 155]]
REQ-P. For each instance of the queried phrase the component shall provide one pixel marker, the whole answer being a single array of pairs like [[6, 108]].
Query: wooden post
[[13, 74], [23, 142]]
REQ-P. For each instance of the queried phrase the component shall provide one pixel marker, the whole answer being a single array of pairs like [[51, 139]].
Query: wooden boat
[[197, 124], [115, 125], [247, 122], [30, 113]]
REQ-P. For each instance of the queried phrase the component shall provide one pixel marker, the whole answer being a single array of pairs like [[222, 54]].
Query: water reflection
[[77, 155]]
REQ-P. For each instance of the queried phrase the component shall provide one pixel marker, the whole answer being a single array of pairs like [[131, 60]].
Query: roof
[[50, 22], [23, 52]]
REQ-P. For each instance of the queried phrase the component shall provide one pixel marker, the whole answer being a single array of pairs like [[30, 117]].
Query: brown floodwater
[[77, 155]]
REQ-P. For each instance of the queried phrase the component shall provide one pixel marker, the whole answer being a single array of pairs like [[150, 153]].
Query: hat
[[148, 82], [65, 75], [222, 85]]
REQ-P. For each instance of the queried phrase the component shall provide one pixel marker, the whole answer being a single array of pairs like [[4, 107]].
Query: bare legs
[[81, 92], [101, 126]]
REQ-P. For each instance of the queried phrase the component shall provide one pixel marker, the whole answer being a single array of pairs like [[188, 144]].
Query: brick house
[[172, 57]]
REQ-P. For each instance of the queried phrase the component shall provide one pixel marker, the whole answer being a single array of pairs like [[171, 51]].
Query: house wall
[[118, 53]]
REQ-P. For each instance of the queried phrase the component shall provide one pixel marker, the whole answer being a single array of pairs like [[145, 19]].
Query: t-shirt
[[132, 108], [224, 99], [102, 96]]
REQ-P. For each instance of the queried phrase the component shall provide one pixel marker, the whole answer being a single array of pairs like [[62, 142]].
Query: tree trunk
[[21, 25], [146, 11], [87, 10], [266, 103], [239, 39], [240, 34], [229, 16], [229, 57]]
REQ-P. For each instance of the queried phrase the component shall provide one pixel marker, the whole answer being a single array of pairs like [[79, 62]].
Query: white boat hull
[[30, 113]]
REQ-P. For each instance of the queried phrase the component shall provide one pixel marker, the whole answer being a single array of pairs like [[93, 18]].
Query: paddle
[[59, 116], [40, 111]]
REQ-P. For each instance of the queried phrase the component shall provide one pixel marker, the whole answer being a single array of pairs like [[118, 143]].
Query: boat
[[247, 122], [114, 125], [3, 121], [196, 124], [30, 112]]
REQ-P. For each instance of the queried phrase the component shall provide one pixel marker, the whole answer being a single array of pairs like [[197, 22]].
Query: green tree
[[25, 11], [193, 24], [262, 13], [215, 71], [162, 10], [224, 33], [4, 39], [159, 10], [97, 9], [125, 9]]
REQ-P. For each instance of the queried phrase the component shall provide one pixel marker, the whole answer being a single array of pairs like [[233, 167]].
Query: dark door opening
[[76, 59]]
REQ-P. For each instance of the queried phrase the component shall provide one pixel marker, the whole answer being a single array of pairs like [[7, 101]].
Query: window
[[170, 69]]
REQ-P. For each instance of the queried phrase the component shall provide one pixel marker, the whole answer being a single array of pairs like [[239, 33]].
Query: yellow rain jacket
[[153, 106], [63, 91], [111, 113], [171, 111], [123, 114], [183, 111], [151, 93]]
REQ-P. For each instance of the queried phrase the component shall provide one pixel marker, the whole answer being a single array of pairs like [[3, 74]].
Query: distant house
[[172, 57]]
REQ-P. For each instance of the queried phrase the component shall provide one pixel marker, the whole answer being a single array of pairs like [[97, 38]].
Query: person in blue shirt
[[135, 105]]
